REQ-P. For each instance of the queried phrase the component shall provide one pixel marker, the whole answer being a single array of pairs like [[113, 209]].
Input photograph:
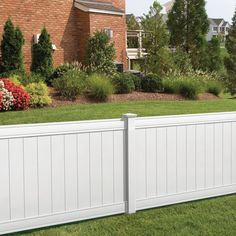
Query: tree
[[101, 53], [42, 61], [132, 23], [188, 24], [215, 61], [230, 61], [156, 41], [11, 48]]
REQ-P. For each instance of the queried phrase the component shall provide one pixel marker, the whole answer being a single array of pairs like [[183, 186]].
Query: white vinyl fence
[[63, 172]]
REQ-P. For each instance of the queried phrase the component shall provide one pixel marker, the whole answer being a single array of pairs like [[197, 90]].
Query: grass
[[115, 110], [215, 217]]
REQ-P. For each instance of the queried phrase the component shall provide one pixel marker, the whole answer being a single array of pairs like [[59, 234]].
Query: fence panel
[[63, 172]]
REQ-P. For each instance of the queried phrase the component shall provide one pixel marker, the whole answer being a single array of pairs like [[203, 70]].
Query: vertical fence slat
[[4, 181], [120, 174], [191, 158], [17, 178], [44, 175], [218, 154], [227, 150], [161, 161], [84, 178], [96, 168], [58, 173], [200, 156], [210, 156], [71, 173], [181, 159], [31, 177], [108, 175]]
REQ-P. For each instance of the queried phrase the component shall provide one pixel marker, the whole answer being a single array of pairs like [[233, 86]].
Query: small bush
[[189, 89], [123, 83], [71, 84], [100, 87], [152, 83], [214, 87], [39, 94], [137, 82], [61, 70], [12, 97]]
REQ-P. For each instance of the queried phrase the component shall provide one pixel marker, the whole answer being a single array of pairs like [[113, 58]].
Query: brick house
[[69, 22]]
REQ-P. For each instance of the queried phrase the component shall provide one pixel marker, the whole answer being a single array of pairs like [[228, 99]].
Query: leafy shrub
[[15, 79], [39, 94], [123, 83], [137, 81], [71, 84], [151, 83], [214, 87], [189, 89], [100, 87], [12, 97], [61, 70], [101, 53]]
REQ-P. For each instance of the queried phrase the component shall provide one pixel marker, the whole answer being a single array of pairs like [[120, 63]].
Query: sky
[[215, 8]]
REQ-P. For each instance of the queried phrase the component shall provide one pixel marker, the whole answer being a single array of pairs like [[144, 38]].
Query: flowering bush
[[12, 97]]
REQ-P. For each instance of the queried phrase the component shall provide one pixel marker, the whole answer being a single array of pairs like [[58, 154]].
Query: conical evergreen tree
[[42, 61], [230, 62], [188, 25], [11, 48]]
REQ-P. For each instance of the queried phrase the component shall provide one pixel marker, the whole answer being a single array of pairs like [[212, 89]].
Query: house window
[[109, 32], [215, 29], [222, 29]]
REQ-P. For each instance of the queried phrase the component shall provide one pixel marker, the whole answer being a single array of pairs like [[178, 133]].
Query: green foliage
[[71, 84], [132, 23], [182, 61], [137, 81], [188, 24], [100, 87], [123, 83], [152, 83], [155, 41], [15, 79], [192, 84], [11, 49], [101, 54], [230, 61], [215, 61], [39, 94], [42, 61], [214, 87], [61, 70]]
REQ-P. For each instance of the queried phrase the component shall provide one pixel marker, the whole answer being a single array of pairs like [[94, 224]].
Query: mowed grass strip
[[115, 110]]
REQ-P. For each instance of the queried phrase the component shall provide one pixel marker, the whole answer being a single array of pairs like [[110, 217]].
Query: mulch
[[135, 96]]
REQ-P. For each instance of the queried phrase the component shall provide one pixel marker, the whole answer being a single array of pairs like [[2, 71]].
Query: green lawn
[[215, 217], [115, 110]]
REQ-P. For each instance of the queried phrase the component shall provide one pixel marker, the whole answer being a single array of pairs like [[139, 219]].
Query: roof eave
[[94, 10]]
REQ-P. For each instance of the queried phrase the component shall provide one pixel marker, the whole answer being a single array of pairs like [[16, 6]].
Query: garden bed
[[134, 96]]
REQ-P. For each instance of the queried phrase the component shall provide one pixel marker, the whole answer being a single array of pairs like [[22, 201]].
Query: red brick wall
[[68, 26], [59, 17]]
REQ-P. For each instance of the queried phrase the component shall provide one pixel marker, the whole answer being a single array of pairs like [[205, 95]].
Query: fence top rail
[[59, 128], [188, 119]]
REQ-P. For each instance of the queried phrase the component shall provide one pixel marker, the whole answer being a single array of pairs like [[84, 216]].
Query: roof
[[217, 21], [168, 5], [102, 7]]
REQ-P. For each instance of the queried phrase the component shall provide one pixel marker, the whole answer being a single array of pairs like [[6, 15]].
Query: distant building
[[218, 28]]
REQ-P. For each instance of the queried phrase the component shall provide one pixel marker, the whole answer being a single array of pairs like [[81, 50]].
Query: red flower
[[21, 97]]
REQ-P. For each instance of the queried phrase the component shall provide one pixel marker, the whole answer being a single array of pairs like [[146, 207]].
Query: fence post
[[129, 120]]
